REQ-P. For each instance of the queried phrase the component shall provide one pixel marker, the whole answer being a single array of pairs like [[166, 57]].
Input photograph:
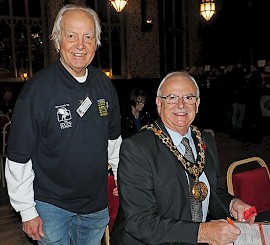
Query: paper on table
[[256, 234]]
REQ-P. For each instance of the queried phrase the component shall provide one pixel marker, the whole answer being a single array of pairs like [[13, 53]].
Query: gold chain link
[[194, 169]]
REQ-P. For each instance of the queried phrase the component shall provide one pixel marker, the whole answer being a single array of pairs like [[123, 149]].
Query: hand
[[238, 208], [115, 191], [33, 228], [217, 232]]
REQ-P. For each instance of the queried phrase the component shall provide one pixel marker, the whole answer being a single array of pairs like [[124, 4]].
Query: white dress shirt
[[177, 138]]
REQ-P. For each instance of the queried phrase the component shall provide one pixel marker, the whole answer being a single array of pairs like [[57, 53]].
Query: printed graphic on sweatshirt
[[103, 106], [64, 116]]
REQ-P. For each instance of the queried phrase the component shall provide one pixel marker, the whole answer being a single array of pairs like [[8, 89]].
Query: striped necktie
[[196, 206]]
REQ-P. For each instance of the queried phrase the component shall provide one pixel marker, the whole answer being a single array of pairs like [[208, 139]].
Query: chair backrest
[[113, 205], [113, 201], [4, 119], [5, 134], [252, 184]]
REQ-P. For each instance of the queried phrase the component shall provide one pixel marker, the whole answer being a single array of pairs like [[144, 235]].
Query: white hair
[[56, 31], [182, 74]]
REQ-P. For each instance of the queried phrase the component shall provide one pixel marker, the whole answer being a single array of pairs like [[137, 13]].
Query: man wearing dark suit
[[155, 171]]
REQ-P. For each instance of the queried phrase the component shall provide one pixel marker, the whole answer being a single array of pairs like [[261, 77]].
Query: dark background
[[238, 32]]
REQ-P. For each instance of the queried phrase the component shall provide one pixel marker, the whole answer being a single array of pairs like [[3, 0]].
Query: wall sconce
[[108, 73], [207, 9], [24, 76], [147, 24], [118, 4]]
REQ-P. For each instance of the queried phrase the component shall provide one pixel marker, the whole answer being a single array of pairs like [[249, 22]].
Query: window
[[110, 56], [22, 38]]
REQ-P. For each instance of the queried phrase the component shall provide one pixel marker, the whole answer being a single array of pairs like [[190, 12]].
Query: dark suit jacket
[[154, 193]]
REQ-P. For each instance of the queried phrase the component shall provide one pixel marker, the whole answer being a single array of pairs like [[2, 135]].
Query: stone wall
[[142, 47], [194, 41]]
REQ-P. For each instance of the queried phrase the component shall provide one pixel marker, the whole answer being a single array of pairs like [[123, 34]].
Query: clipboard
[[256, 234]]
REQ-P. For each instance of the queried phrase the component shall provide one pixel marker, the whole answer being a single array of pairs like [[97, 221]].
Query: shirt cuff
[[230, 206], [29, 214]]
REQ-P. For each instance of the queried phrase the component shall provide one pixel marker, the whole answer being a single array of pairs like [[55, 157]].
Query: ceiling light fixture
[[119, 4], [207, 9]]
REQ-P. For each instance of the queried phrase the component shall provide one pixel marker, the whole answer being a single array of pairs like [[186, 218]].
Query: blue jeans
[[62, 227]]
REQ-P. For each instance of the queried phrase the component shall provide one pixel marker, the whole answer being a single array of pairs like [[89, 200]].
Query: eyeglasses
[[141, 102], [173, 99]]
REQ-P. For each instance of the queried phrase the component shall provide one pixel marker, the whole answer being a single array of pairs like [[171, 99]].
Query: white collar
[[83, 78]]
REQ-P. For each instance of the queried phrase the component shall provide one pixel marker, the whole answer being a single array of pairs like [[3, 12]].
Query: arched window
[[23, 47]]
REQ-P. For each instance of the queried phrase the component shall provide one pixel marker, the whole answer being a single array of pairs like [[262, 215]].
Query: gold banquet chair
[[113, 205], [249, 180], [4, 119], [5, 133]]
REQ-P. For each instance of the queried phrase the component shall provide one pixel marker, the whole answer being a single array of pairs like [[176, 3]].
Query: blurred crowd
[[234, 99]]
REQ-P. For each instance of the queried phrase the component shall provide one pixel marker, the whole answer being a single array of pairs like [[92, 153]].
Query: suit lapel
[[174, 162]]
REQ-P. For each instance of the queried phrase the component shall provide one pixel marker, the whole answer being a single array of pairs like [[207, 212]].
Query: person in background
[[135, 117], [265, 108], [169, 177], [253, 120], [7, 102], [227, 98], [66, 124], [239, 100]]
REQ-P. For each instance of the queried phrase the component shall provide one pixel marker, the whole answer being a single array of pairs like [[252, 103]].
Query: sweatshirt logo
[[64, 116], [103, 106]]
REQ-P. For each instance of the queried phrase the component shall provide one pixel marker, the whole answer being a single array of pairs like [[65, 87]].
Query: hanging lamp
[[118, 4], [207, 9]]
